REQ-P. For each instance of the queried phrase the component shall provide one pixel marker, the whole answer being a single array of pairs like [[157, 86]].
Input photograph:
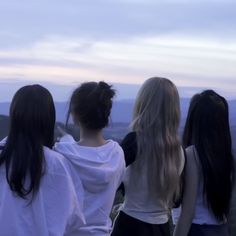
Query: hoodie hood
[[97, 166]]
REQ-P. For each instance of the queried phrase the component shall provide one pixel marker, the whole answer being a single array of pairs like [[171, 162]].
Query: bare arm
[[190, 195]]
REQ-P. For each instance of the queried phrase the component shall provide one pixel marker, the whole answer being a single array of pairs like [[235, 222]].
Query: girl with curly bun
[[98, 162]]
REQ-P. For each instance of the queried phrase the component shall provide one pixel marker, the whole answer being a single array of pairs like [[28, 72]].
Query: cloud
[[126, 41], [24, 22], [66, 60]]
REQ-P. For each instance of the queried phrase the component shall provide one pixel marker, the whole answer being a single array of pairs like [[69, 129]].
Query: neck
[[91, 138]]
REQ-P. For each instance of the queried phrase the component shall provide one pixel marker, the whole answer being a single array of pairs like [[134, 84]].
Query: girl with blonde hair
[[154, 160]]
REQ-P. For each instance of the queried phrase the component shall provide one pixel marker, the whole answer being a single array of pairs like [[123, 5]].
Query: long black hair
[[32, 120], [207, 128], [91, 104]]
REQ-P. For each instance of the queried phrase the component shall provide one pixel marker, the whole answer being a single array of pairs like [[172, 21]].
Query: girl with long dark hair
[[37, 195], [98, 162], [209, 168]]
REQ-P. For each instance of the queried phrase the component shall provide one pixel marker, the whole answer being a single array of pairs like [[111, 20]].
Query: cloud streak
[[67, 42], [26, 21], [127, 61]]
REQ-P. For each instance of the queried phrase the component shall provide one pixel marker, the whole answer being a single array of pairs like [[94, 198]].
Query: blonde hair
[[156, 120]]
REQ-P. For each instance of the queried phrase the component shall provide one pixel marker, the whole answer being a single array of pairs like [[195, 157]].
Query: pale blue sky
[[120, 41]]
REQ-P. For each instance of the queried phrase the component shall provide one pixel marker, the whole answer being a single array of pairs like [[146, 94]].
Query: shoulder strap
[[177, 199], [185, 160]]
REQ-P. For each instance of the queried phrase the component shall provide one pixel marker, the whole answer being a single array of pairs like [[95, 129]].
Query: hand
[[61, 132]]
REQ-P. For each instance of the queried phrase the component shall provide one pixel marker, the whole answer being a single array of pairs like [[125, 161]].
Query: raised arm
[[190, 194]]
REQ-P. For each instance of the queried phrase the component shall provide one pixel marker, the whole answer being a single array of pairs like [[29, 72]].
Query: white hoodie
[[56, 209], [101, 170]]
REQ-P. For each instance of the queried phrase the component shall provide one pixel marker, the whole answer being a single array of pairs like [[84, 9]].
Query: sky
[[63, 43]]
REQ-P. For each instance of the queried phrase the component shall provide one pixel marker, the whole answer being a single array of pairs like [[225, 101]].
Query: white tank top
[[203, 215]]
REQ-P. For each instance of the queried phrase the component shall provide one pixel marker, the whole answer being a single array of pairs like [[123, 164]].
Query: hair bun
[[106, 91], [103, 85], [91, 104]]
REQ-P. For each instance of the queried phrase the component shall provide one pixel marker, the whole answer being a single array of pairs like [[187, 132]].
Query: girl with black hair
[[37, 195], [98, 162], [209, 168]]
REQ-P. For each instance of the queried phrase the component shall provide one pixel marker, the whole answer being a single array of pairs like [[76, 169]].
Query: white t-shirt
[[101, 170], [139, 203], [56, 209]]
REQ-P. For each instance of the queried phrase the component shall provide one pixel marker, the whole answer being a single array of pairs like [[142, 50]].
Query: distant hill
[[4, 125], [122, 110], [62, 92], [120, 117], [233, 131]]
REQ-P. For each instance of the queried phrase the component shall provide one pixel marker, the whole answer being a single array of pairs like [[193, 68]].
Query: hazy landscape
[[120, 118]]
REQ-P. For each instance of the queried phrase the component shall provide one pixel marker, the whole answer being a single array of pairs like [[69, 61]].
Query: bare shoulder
[[192, 156]]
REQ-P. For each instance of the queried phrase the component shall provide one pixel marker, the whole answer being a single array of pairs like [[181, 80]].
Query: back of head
[[91, 104], [157, 102], [32, 114], [207, 128], [156, 120], [32, 119], [189, 121]]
